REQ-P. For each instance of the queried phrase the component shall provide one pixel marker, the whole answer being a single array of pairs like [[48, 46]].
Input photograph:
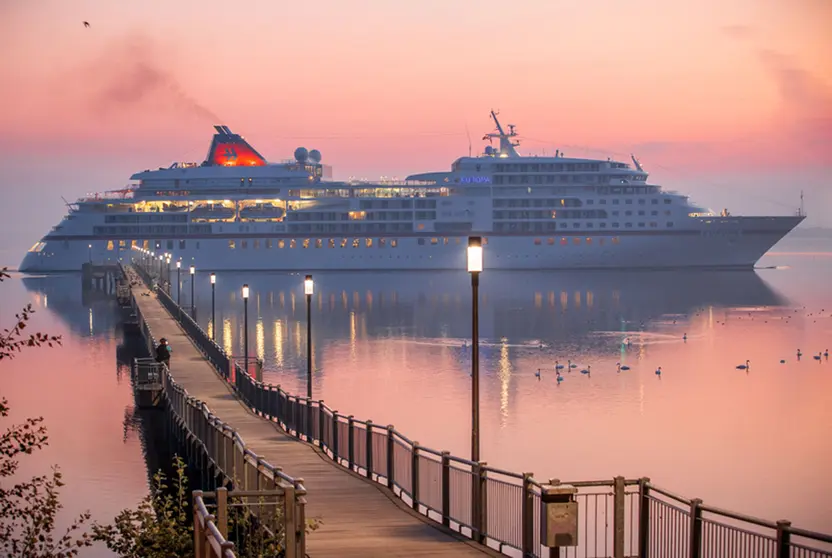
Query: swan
[[659, 371], [817, 356], [558, 365], [622, 367], [586, 371], [559, 378], [537, 373], [745, 366]]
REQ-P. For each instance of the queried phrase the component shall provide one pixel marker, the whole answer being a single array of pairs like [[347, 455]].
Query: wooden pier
[[378, 493], [359, 517]]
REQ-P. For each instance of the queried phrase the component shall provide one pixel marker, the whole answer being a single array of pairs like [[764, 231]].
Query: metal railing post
[[446, 489], [370, 449], [527, 514], [643, 517], [618, 518], [350, 441], [783, 538], [482, 505], [390, 461], [695, 528], [414, 476]]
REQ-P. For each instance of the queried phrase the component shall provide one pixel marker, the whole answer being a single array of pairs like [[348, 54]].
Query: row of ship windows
[[551, 226], [570, 214], [566, 179], [572, 202], [341, 242]]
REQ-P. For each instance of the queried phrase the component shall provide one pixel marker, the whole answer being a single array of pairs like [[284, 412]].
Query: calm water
[[389, 346]]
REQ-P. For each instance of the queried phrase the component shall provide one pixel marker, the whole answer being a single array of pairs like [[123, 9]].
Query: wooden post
[[350, 441], [290, 520], [370, 449], [414, 475], [321, 429], [527, 512], [644, 517], [618, 517], [695, 528], [482, 486], [198, 534], [783, 538], [391, 462], [335, 455], [222, 511], [446, 489]]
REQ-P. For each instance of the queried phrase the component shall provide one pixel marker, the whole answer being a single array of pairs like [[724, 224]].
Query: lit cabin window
[[343, 243], [615, 240], [369, 242], [563, 241], [356, 242], [281, 243], [256, 244], [332, 243], [293, 243], [319, 243], [537, 242], [231, 245], [550, 242], [576, 241], [394, 242], [434, 241], [382, 242], [306, 243]]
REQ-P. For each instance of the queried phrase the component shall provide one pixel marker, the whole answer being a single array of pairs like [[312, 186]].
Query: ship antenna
[[468, 133], [802, 212]]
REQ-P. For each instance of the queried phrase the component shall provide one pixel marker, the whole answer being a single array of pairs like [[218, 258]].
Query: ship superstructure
[[237, 211]]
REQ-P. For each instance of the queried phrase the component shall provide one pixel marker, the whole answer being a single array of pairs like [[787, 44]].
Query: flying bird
[[86, 24]]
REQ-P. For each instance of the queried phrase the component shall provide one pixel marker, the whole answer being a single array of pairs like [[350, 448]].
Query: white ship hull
[[730, 243]]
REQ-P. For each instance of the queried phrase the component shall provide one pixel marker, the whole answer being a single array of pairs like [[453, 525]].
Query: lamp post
[[213, 307], [193, 303], [308, 290], [89, 252], [178, 283], [245, 327], [167, 272], [474, 268]]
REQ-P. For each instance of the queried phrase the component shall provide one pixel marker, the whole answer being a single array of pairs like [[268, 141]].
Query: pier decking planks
[[360, 518]]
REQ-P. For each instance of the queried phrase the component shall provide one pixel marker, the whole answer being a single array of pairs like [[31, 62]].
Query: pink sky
[[388, 88]]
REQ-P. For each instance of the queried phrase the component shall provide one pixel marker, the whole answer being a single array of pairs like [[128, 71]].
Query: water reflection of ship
[[62, 295], [517, 305]]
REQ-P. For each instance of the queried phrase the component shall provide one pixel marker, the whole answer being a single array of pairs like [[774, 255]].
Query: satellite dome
[[489, 150], [301, 154], [315, 156]]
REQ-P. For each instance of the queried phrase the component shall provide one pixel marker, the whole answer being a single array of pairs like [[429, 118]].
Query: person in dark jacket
[[163, 352]]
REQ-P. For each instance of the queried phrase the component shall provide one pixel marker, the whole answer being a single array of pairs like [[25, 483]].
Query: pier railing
[[617, 518], [226, 451]]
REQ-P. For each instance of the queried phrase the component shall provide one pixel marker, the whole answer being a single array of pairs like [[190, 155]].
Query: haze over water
[[390, 347]]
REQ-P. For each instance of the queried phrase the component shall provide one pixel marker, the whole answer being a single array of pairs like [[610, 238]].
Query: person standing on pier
[[163, 352]]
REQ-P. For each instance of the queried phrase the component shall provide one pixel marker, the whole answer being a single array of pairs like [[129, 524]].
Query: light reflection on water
[[393, 347]]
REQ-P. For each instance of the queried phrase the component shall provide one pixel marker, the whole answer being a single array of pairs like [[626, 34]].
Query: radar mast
[[506, 144]]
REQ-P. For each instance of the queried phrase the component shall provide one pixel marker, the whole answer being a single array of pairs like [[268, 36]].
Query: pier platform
[[359, 518]]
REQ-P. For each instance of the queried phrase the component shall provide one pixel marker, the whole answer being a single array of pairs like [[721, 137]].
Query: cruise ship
[[237, 211]]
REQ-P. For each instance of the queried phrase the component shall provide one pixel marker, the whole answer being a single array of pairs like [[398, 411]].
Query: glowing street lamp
[[308, 290], [178, 283], [245, 327], [474, 268], [193, 303], [213, 307]]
